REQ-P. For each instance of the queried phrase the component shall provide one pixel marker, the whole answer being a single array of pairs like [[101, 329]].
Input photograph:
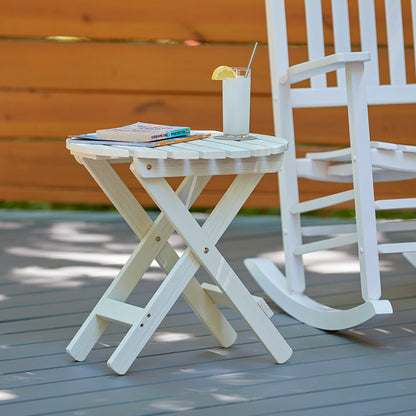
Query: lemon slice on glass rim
[[222, 72]]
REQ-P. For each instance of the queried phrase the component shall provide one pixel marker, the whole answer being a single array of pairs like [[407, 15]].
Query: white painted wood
[[96, 150], [323, 202], [324, 171], [329, 63], [138, 263], [315, 33], [209, 315], [341, 169], [205, 151], [201, 242], [368, 35], [275, 144], [407, 148], [157, 308], [277, 37], [231, 150], [395, 42], [387, 175], [344, 155], [256, 148], [201, 249], [305, 309], [326, 244], [247, 148], [150, 153], [404, 203], [333, 96], [149, 168], [342, 38], [115, 311], [279, 63], [141, 224], [397, 248], [283, 124], [392, 94], [78, 156], [174, 152], [208, 148], [318, 170], [383, 145], [363, 182], [319, 230], [382, 226], [363, 163], [218, 297], [411, 258], [394, 160], [341, 155]]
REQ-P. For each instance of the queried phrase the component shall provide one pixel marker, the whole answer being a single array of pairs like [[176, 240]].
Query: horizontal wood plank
[[209, 22], [49, 88], [45, 171], [57, 115], [134, 67], [234, 20], [37, 114], [124, 67], [51, 278]]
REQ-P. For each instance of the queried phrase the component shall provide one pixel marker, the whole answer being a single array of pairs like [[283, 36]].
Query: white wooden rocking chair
[[362, 163]]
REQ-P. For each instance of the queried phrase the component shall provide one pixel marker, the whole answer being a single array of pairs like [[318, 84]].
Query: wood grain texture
[[129, 67], [45, 171], [124, 71], [124, 19], [209, 22], [38, 114], [123, 66], [54, 270]]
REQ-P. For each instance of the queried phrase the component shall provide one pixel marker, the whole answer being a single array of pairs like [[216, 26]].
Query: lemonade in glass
[[236, 83]]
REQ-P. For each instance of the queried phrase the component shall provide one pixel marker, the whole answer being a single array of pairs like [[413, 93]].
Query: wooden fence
[[75, 66]]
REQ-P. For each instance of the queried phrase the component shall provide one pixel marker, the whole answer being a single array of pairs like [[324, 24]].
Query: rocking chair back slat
[[320, 94], [368, 34], [278, 50], [342, 40], [315, 33], [395, 42], [278, 45]]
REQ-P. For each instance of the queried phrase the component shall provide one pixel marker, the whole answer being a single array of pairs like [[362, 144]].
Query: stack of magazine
[[140, 134]]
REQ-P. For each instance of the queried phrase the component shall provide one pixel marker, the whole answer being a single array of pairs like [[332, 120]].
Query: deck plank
[[45, 295]]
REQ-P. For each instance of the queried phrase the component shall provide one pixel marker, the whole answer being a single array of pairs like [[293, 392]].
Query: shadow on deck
[[55, 266]]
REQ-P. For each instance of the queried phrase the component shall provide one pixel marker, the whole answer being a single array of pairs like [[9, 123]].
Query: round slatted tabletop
[[207, 148]]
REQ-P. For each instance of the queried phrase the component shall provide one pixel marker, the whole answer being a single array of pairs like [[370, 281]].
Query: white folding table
[[196, 162]]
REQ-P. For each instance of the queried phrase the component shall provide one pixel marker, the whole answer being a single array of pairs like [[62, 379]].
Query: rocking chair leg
[[363, 182]]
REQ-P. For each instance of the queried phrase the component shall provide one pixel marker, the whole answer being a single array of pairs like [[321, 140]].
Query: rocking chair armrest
[[329, 63]]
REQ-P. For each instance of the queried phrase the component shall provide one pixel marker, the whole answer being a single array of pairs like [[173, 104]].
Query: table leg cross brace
[[202, 251], [156, 236], [144, 321]]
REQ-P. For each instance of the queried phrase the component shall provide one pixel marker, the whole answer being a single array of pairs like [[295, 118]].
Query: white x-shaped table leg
[[202, 251], [153, 245]]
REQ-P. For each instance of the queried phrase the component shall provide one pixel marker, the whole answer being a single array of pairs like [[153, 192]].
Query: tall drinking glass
[[236, 105]]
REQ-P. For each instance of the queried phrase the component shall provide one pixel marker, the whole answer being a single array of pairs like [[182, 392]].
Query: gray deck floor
[[55, 266]]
